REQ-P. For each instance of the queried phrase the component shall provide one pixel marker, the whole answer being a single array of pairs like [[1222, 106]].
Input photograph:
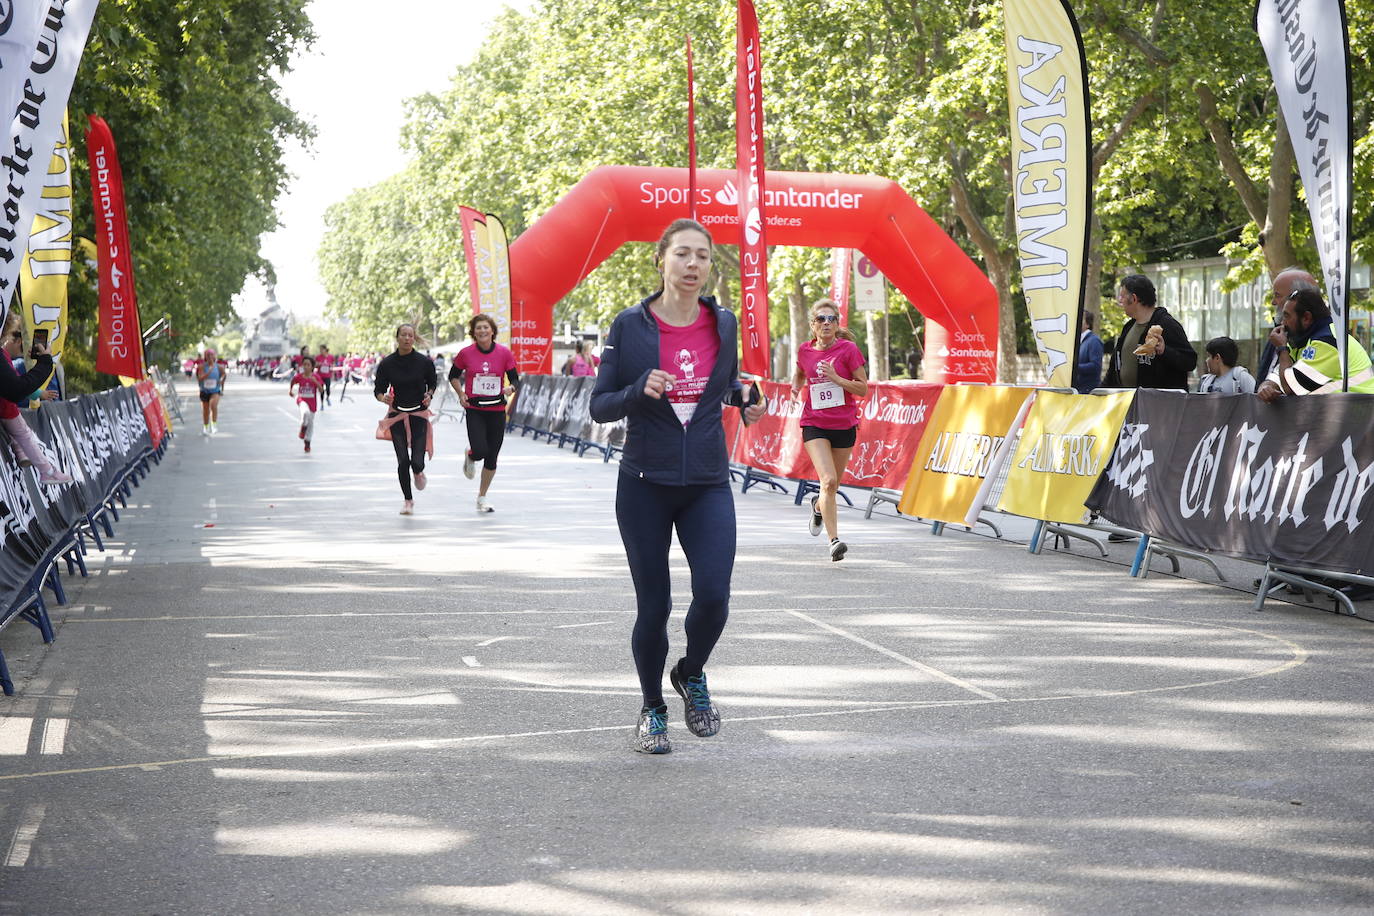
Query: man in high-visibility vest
[[1309, 361]]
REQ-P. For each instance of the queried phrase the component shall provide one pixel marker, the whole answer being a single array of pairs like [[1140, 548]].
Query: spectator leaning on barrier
[[15, 390], [1144, 357], [1309, 361], [1285, 282], [1090, 351], [1223, 375]]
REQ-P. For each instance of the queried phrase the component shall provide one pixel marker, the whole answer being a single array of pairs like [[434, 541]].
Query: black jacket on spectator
[[16, 387], [1169, 369]]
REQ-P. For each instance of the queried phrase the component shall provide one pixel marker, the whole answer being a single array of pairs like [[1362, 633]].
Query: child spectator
[[1223, 375]]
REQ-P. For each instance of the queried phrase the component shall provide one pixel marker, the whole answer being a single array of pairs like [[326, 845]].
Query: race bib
[[826, 394], [487, 386], [209, 384]]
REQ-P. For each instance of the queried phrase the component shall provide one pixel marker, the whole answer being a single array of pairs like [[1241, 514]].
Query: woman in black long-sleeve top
[[405, 380]]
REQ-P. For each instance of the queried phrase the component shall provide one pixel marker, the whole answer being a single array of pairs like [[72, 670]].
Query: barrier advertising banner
[[119, 350], [1051, 140], [1288, 482], [1065, 443], [749, 165], [956, 451], [46, 82], [94, 438], [1306, 43], [891, 420], [774, 443]]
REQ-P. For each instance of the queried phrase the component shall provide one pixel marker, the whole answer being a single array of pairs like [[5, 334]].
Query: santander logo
[[753, 226], [728, 196]]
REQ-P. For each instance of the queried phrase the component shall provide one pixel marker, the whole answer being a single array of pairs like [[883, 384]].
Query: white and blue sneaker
[[703, 718], [651, 734]]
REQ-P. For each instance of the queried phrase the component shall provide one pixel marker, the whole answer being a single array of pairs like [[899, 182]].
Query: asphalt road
[[274, 695]]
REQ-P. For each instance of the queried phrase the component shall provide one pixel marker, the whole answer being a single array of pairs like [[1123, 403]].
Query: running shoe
[[651, 734], [214, 429], [302, 433], [837, 549], [703, 718], [307, 445], [205, 430], [408, 507], [54, 478], [469, 466], [814, 525], [484, 506], [420, 480]]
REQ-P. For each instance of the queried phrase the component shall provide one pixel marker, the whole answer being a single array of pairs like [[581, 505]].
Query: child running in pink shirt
[[305, 388]]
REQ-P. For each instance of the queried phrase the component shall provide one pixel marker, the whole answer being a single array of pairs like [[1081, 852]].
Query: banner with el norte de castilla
[[1306, 43], [39, 109], [1065, 443], [19, 22], [1051, 149], [48, 261], [957, 449], [1291, 482]]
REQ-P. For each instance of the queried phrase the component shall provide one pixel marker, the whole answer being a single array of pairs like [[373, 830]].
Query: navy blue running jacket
[[658, 448]]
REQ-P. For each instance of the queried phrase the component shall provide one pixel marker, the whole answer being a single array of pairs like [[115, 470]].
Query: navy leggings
[[486, 432], [413, 431], [704, 516]]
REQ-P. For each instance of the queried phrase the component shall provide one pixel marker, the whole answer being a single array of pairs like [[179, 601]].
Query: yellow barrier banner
[[956, 451], [48, 258], [1065, 444]]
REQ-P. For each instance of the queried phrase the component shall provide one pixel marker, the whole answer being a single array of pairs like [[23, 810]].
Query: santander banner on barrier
[[614, 205], [891, 420]]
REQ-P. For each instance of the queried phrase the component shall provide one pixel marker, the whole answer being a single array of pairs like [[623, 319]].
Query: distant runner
[[210, 376], [305, 388]]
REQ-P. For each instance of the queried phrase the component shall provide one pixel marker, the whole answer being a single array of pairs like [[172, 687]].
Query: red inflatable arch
[[618, 204]]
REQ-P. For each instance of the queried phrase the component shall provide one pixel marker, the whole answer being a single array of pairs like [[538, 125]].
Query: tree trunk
[[1092, 283], [995, 261], [1271, 211], [876, 325], [797, 323]]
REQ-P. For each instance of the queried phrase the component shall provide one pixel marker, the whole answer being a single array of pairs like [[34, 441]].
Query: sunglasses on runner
[[826, 319]]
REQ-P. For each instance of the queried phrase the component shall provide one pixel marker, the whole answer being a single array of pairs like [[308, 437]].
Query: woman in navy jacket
[[669, 366]]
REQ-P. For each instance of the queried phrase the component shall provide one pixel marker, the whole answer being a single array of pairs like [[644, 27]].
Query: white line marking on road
[[919, 666], [14, 735], [1300, 657], [54, 736], [293, 416], [493, 640], [22, 844], [471, 661], [571, 626]]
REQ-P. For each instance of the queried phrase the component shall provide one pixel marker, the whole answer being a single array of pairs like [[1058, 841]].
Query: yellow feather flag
[[48, 258], [1051, 147]]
